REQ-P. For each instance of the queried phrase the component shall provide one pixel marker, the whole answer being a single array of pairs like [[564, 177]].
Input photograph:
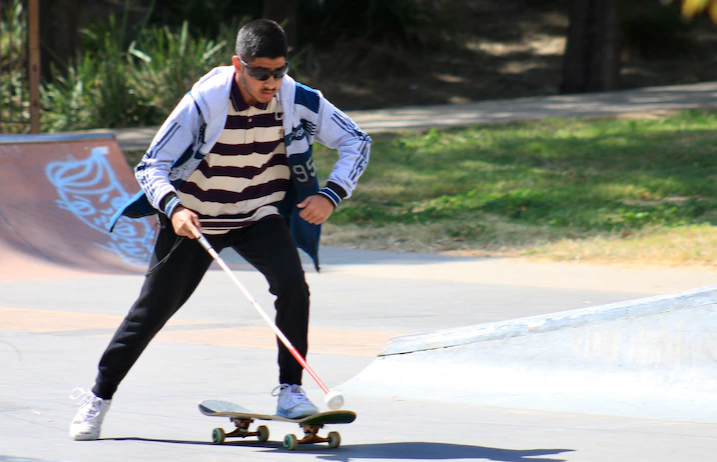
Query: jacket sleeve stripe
[[168, 136], [361, 162], [347, 125]]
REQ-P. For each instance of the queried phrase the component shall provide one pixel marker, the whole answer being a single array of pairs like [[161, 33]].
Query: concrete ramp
[[57, 194], [650, 358]]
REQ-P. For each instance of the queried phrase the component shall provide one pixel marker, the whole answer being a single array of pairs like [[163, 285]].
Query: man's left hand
[[316, 209]]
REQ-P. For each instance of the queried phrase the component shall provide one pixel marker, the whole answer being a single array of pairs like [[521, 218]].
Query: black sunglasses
[[262, 73]]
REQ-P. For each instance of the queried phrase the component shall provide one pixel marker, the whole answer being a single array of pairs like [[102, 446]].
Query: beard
[[256, 97]]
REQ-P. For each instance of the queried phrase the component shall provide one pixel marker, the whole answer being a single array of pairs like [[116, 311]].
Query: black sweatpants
[[178, 265]]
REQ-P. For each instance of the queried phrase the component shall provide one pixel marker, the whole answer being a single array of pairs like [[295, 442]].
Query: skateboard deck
[[243, 418]]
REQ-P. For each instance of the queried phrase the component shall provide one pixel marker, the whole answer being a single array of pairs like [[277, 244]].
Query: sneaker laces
[[95, 403], [294, 394]]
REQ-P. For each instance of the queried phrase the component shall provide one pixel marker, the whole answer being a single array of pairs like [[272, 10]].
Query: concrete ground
[[53, 332]]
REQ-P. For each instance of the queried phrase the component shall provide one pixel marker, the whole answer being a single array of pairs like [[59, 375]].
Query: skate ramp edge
[[651, 358]]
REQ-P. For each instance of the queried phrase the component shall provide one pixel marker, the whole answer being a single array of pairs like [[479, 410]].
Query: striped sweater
[[245, 176]]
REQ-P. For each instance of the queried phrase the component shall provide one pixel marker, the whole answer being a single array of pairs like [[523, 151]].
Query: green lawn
[[554, 188], [593, 189]]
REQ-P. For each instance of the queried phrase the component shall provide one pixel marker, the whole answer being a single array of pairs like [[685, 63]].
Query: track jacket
[[192, 129]]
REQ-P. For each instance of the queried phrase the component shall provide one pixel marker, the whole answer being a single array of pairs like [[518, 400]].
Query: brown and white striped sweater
[[245, 175]]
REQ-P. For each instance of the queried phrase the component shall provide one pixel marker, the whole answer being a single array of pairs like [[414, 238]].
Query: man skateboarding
[[234, 160]]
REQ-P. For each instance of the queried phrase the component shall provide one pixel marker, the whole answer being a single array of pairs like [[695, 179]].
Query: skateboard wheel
[[290, 442], [334, 439], [263, 433], [218, 436]]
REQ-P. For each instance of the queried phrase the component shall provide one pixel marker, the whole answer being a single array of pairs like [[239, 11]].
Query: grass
[[600, 190]]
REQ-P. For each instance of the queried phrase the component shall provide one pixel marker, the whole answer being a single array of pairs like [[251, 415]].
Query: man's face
[[248, 75]]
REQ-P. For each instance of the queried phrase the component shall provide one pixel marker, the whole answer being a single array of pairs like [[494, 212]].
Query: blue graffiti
[[89, 189]]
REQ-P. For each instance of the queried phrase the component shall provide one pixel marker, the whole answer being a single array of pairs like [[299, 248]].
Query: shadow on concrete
[[254, 444], [440, 451], [397, 451]]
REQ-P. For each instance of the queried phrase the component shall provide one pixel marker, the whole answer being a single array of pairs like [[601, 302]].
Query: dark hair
[[262, 38]]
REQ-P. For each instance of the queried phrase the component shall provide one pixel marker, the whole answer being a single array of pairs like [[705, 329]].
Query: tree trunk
[[592, 54], [59, 33], [286, 13]]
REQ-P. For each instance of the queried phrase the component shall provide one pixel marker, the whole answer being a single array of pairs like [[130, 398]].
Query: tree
[[592, 54], [59, 33]]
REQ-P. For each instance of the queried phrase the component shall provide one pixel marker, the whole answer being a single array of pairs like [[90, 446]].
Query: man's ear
[[237, 63]]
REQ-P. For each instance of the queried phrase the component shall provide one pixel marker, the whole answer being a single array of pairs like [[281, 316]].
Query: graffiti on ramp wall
[[89, 189]]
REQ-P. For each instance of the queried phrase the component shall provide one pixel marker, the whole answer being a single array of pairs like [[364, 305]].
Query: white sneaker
[[292, 402], [88, 421]]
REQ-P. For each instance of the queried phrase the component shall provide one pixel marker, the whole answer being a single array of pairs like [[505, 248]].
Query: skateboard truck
[[311, 435], [242, 431]]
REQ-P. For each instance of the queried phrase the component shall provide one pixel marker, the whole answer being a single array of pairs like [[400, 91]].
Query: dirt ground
[[496, 49]]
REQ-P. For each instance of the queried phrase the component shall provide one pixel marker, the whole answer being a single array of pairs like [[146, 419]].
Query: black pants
[[176, 268]]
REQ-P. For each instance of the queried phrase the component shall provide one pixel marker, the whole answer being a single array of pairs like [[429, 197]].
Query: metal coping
[[55, 138]]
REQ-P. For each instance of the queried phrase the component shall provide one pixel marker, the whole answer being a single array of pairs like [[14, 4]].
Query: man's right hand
[[186, 223]]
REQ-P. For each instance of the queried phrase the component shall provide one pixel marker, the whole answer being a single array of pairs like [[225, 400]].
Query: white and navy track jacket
[[194, 126]]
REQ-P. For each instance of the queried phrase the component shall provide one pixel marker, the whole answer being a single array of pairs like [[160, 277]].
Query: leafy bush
[[12, 63], [97, 90], [168, 63], [116, 84], [132, 72]]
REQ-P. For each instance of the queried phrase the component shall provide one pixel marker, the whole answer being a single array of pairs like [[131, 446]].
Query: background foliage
[[139, 56]]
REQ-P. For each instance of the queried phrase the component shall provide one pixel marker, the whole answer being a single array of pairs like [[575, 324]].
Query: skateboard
[[243, 418]]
